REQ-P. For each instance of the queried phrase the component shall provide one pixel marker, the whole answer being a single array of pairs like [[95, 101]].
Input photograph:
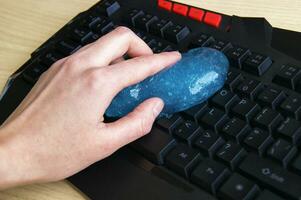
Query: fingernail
[[158, 107]]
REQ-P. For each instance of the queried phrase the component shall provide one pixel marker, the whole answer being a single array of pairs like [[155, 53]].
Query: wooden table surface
[[25, 24]]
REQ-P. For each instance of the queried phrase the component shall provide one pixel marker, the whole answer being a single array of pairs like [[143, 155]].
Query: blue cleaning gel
[[196, 77]]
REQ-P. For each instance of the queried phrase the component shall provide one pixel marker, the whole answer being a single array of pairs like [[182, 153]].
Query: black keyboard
[[241, 144]]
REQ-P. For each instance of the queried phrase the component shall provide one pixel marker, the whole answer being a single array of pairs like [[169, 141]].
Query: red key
[[180, 9], [196, 14], [167, 5], [213, 19]]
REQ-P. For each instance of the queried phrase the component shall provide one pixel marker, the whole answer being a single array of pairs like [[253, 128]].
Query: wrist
[[12, 161]]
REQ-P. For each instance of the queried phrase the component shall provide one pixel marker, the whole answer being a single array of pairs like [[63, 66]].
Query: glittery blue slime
[[196, 77]]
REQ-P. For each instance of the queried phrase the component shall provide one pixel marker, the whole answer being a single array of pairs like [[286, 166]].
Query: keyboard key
[[103, 26], [271, 97], [180, 9], [224, 99], [182, 159], [233, 79], [249, 88], [238, 187], [169, 123], [235, 129], [296, 164], [257, 64], [213, 19], [291, 106], [81, 34], [130, 17], [88, 21], [196, 14], [221, 45], [245, 109], [213, 119], [203, 40], [67, 47], [158, 46], [231, 154], [154, 145], [258, 140], [290, 129], [194, 112], [143, 21], [267, 119], [272, 176], [266, 195], [288, 76], [237, 55], [33, 71], [49, 58], [208, 142], [145, 37], [282, 151], [109, 7], [209, 175], [157, 27], [186, 131], [176, 33], [167, 5]]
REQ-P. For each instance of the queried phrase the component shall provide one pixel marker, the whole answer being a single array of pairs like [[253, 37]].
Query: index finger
[[113, 46]]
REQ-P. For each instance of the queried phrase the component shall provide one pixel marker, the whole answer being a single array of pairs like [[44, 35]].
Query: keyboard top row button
[[196, 14], [180, 9], [167, 5], [213, 19]]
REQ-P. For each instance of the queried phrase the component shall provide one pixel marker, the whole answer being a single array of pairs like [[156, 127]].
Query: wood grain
[[25, 24]]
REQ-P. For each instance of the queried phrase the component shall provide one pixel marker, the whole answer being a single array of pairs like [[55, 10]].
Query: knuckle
[[124, 31], [144, 125], [93, 79], [70, 65]]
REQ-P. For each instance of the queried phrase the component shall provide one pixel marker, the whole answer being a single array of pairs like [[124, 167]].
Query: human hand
[[58, 129]]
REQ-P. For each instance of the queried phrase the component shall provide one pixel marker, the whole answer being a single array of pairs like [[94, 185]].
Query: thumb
[[134, 125]]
